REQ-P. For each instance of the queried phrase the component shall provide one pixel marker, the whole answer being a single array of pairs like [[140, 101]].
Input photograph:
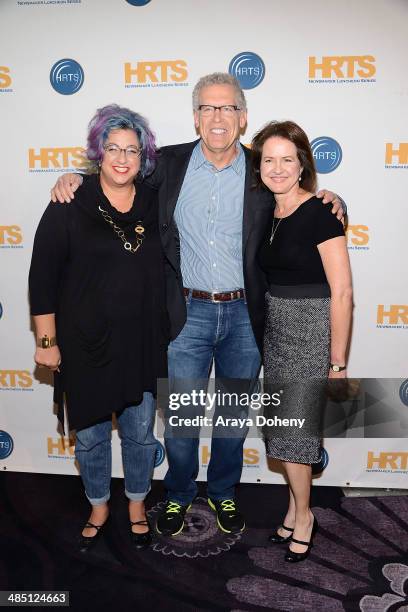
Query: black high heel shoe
[[141, 540], [295, 557], [85, 543], [275, 538]]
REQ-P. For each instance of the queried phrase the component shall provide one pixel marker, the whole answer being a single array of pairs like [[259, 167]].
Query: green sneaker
[[229, 519], [170, 521]]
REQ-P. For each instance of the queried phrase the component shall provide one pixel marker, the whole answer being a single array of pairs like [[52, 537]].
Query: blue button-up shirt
[[208, 215]]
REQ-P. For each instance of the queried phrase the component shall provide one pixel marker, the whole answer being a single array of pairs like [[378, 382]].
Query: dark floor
[[359, 561]]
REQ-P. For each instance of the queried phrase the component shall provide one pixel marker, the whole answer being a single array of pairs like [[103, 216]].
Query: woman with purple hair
[[97, 294]]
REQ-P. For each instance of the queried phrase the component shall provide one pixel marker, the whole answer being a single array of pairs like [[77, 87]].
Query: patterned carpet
[[359, 562]]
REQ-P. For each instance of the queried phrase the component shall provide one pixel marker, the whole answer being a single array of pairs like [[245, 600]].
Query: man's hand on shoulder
[[64, 189], [339, 208]]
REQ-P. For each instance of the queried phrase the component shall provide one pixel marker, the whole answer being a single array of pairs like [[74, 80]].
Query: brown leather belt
[[226, 296]]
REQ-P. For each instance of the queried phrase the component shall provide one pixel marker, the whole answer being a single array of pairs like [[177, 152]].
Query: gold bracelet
[[46, 342]]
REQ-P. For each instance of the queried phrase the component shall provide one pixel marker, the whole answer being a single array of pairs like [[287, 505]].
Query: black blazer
[[258, 209]]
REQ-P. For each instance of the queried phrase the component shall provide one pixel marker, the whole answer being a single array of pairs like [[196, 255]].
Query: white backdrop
[[336, 68]]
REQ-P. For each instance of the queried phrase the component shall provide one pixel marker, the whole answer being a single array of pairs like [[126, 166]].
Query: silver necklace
[[139, 229], [277, 225], [273, 229]]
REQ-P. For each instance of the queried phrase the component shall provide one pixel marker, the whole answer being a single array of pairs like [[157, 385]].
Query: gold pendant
[[139, 229]]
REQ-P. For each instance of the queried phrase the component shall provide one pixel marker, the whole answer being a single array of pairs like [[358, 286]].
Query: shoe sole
[[176, 533], [218, 521]]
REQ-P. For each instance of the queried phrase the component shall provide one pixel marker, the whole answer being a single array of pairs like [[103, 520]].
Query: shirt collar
[[237, 164]]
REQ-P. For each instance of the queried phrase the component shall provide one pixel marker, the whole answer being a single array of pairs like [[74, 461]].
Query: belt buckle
[[231, 295]]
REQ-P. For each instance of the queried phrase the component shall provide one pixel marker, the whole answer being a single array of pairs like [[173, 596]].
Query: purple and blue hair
[[115, 117]]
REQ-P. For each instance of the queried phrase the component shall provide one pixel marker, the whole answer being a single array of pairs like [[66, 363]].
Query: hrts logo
[[156, 73], [321, 465], [357, 237], [10, 236], [396, 155], [388, 461], [248, 68], [53, 159], [159, 455], [67, 77], [5, 79], [15, 380], [403, 392], [61, 447], [395, 314], [6, 445], [358, 67], [327, 154], [251, 456]]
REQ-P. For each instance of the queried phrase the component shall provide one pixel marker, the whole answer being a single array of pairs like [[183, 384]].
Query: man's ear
[[243, 119], [196, 120]]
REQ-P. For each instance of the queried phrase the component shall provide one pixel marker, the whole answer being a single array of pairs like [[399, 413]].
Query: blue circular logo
[[160, 454], [67, 77], [248, 68], [327, 154], [6, 445], [403, 392], [1, 310], [138, 2], [317, 468]]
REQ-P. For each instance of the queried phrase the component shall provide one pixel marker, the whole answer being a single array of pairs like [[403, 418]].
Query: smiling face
[[280, 167], [218, 132], [120, 170]]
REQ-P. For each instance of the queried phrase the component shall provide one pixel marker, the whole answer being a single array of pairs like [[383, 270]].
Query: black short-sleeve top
[[292, 258]]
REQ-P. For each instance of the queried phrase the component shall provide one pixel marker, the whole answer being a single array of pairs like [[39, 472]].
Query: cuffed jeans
[[221, 332], [93, 452]]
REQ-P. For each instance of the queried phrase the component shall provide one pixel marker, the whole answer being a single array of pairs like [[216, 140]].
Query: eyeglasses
[[227, 110], [130, 152]]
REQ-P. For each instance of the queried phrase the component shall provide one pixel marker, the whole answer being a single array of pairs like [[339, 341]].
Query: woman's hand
[[48, 357], [338, 391]]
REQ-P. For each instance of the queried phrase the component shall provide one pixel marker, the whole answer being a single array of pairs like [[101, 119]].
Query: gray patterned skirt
[[296, 362]]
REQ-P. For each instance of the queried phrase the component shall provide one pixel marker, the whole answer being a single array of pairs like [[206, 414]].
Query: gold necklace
[[139, 229]]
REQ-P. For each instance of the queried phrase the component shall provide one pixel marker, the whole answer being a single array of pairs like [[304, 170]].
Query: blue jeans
[[219, 332], [93, 452]]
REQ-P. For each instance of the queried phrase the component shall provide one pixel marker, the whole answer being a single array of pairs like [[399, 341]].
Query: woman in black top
[[98, 301], [308, 314]]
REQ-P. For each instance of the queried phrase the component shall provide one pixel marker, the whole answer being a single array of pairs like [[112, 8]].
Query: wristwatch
[[46, 342], [337, 368]]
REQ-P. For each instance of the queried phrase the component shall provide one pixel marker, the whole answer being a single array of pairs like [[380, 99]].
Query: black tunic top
[[293, 257], [111, 319]]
